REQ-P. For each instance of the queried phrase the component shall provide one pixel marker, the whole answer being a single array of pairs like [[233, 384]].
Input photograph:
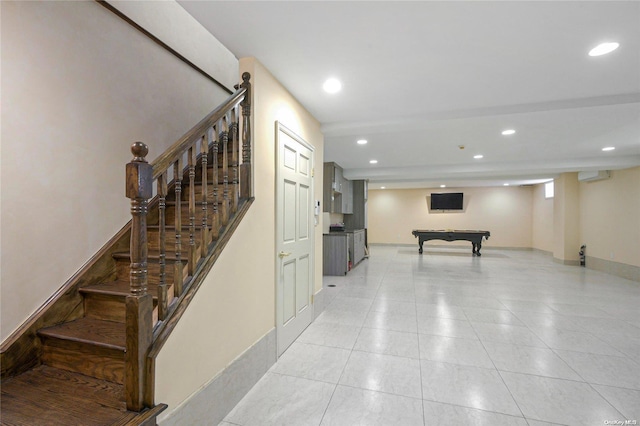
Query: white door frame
[[279, 127]]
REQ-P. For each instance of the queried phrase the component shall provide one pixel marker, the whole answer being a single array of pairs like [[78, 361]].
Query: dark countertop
[[350, 231]]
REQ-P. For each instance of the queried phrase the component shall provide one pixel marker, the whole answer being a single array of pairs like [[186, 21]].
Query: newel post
[[139, 304], [245, 167]]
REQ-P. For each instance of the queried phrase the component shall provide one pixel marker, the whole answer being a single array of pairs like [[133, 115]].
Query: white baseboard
[[210, 404], [623, 270], [319, 303]]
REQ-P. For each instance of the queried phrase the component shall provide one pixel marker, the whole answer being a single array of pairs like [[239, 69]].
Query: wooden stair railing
[[216, 136], [87, 356]]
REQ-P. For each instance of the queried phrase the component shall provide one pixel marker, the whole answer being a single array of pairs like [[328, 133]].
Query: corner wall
[[505, 212], [609, 219], [542, 217], [566, 226], [79, 85], [235, 307]]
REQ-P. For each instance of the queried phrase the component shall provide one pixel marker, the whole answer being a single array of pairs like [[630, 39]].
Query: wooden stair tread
[[155, 255], [229, 149], [117, 288], [172, 226], [185, 203], [51, 396], [219, 164], [107, 334]]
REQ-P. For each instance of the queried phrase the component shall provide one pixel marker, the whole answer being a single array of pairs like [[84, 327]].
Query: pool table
[[475, 237]]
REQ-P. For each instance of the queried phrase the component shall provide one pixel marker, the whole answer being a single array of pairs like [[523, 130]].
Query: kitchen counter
[[342, 250]]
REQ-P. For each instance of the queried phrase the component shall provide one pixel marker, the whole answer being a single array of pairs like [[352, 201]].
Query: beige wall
[[566, 222], [604, 215], [79, 85], [236, 304], [542, 220], [95, 85], [610, 217], [168, 21], [505, 212]]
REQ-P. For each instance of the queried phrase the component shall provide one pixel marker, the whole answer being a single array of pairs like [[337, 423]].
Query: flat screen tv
[[446, 201]]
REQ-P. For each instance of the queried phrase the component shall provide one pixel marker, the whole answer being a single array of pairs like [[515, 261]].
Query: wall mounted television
[[446, 201]]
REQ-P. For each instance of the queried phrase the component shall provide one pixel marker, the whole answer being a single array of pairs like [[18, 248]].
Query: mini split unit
[[593, 175]]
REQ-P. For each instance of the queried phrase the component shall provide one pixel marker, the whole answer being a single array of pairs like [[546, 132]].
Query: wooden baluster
[[245, 168], [177, 275], [233, 131], [204, 234], [191, 154], [139, 304], [224, 144], [215, 220], [163, 301]]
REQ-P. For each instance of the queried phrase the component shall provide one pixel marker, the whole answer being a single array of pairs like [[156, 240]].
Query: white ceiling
[[421, 78]]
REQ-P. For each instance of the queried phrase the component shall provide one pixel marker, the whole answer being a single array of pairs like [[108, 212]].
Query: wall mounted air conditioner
[[593, 175]]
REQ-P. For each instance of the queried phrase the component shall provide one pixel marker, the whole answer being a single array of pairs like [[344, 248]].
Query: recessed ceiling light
[[603, 49], [609, 148], [373, 161], [382, 187], [332, 85], [505, 184], [479, 156], [443, 186], [362, 142], [508, 132]]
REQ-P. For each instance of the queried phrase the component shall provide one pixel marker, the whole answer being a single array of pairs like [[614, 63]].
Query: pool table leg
[[476, 248], [420, 249]]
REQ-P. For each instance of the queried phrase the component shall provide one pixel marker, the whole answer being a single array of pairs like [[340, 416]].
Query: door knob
[[283, 254]]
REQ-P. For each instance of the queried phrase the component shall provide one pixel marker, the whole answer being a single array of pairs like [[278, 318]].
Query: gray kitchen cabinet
[[347, 196], [335, 253], [356, 246], [358, 218], [333, 183]]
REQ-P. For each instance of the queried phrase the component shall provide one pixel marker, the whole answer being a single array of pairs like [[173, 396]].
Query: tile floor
[[510, 338]]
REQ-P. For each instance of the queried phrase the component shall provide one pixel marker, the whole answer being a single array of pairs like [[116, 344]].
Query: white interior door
[[294, 237]]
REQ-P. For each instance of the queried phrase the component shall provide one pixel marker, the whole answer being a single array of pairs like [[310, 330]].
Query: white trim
[[279, 127], [214, 400], [284, 129]]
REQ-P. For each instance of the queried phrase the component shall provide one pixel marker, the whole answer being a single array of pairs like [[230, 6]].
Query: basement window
[[548, 190]]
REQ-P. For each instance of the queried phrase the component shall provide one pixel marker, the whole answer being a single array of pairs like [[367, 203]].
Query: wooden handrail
[[214, 135], [170, 156]]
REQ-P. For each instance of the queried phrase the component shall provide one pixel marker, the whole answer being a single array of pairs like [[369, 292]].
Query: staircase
[[87, 357]]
